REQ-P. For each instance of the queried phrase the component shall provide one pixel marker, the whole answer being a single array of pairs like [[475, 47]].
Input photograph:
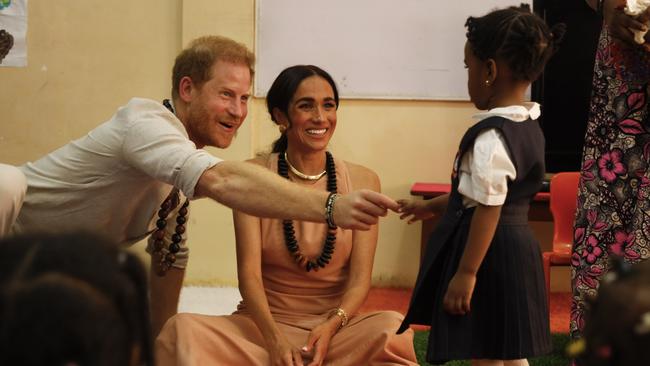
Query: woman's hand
[[319, 340], [621, 25], [459, 293], [414, 210], [282, 353]]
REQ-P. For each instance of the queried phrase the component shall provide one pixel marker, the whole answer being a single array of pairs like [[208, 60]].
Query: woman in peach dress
[[302, 283]]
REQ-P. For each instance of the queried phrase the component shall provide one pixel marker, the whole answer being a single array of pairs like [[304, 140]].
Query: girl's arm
[[459, 292], [481, 231], [415, 210], [361, 261]]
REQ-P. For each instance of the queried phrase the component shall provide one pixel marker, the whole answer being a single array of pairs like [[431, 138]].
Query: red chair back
[[564, 196]]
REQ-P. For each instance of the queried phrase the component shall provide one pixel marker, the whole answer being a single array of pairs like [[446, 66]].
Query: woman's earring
[[283, 128], [487, 82]]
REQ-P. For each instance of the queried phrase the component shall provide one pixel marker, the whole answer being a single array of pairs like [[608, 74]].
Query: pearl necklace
[[302, 175]]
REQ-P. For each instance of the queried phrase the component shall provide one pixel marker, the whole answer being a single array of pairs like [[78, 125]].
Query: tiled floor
[[223, 300]]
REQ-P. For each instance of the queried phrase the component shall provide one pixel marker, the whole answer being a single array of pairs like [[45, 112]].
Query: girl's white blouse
[[485, 170]]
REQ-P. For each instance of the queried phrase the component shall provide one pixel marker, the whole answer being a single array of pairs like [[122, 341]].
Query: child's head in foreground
[[617, 325], [72, 299]]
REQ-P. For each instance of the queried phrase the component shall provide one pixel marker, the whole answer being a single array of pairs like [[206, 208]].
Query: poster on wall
[[13, 31]]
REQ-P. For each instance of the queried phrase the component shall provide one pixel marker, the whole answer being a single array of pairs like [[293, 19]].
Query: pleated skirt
[[509, 310]]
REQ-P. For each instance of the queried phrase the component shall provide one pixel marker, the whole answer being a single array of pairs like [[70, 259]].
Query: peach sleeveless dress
[[298, 300]]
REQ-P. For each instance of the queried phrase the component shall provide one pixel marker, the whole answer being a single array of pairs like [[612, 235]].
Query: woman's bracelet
[[341, 314], [329, 209]]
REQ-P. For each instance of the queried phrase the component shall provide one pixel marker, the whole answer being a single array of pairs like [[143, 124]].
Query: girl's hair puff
[[518, 37]]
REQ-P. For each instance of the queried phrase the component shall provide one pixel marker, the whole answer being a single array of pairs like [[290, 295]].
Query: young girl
[[481, 284]]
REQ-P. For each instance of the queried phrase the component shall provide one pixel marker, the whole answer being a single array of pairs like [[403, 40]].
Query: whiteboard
[[374, 49]]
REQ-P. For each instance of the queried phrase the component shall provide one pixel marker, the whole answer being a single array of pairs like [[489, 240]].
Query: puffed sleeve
[[486, 170]]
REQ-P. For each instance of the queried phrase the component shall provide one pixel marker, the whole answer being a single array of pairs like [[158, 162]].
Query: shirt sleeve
[[156, 147], [486, 169]]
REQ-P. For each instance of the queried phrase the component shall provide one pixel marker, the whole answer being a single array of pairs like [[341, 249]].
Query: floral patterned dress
[[613, 214]]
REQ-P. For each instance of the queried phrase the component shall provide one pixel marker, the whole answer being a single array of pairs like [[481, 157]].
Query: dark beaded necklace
[[289, 232], [165, 261]]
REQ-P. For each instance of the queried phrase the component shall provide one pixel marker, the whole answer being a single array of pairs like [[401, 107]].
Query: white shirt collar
[[517, 113]]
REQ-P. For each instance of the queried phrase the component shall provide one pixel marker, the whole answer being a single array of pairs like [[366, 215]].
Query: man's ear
[[185, 89], [281, 118]]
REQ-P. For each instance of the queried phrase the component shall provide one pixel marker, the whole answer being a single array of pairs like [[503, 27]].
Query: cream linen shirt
[[113, 180], [486, 169]]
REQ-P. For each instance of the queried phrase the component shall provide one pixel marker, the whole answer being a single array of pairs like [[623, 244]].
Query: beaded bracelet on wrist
[[329, 209]]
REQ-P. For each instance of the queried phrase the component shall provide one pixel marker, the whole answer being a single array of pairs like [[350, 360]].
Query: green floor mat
[[556, 358]]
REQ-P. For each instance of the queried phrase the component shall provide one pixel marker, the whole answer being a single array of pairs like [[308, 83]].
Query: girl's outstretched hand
[[459, 293], [414, 210]]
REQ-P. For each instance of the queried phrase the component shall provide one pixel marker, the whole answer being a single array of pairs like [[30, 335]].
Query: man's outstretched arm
[[257, 191]]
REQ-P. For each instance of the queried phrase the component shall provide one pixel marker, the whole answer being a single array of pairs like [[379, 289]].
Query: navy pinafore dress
[[509, 311]]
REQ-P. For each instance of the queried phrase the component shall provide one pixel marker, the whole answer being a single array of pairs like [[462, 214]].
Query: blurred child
[[617, 325], [481, 284], [73, 299]]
